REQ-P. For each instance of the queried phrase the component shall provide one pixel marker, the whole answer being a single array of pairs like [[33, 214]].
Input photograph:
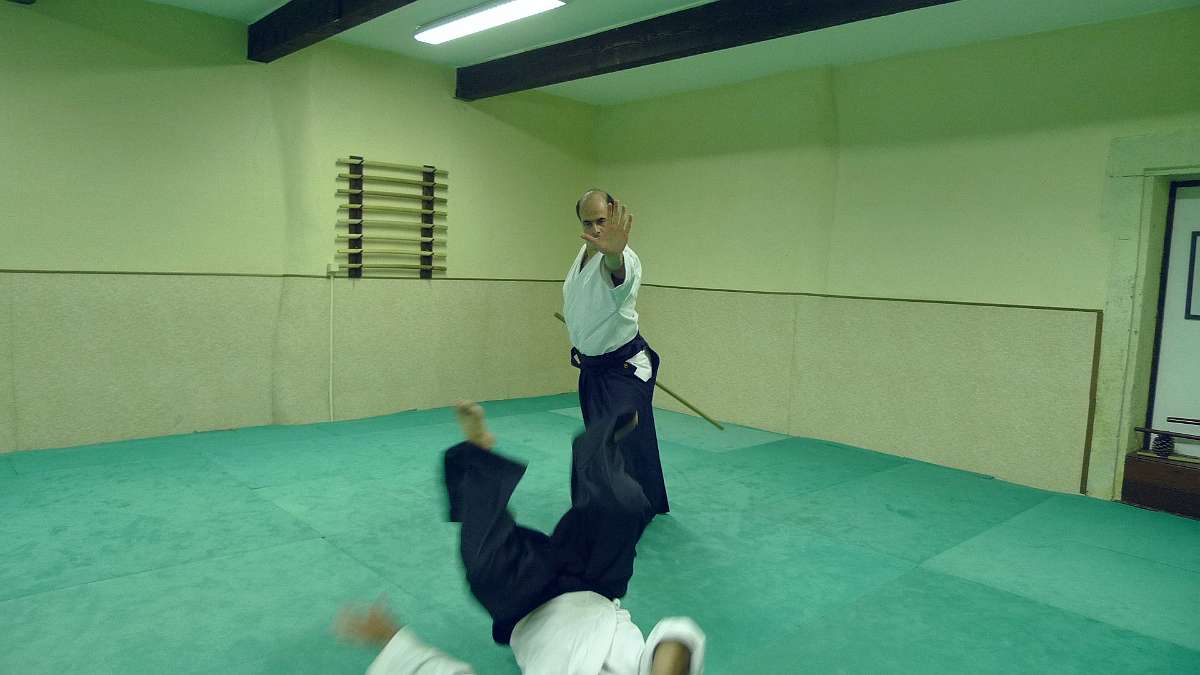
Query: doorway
[[1165, 474], [1174, 404]]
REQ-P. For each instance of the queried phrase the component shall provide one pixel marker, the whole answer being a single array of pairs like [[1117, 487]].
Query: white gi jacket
[[601, 317], [574, 634]]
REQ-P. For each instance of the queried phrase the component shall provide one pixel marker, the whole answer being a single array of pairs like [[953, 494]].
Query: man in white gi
[[552, 598], [617, 369]]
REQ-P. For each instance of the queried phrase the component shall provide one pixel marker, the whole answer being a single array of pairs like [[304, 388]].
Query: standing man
[[617, 369]]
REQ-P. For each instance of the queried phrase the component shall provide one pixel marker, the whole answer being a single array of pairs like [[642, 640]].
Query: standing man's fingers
[[629, 225]]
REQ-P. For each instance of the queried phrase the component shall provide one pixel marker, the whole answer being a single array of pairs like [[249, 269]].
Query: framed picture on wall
[[1193, 280]]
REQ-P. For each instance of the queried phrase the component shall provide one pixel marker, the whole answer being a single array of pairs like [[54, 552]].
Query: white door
[[1177, 386]]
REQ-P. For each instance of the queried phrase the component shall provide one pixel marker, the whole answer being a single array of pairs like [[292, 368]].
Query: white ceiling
[[955, 24]]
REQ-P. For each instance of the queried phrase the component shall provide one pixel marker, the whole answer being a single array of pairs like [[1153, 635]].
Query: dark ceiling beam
[[301, 23], [706, 28]]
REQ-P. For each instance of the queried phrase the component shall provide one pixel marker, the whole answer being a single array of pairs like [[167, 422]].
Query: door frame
[[1133, 212]]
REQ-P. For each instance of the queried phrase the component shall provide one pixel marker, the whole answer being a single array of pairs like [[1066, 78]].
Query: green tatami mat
[[913, 511], [378, 454], [119, 452], [762, 475], [74, 526], [1113, 526], [343, 504], [1064, 569], [930, 623], [231, 552], [270, 605]]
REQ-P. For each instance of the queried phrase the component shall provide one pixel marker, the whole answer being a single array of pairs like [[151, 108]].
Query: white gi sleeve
[[633, 277], [676, 629], [405, 654]]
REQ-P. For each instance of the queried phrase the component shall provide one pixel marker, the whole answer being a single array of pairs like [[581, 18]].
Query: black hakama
[[606, 384], [511, 569]]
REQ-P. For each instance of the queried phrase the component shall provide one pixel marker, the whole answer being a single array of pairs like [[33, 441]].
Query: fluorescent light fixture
[[482, 18]]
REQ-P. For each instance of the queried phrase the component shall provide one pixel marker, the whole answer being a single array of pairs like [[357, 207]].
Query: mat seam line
[[1043, 603], [979, 534], [1136, 557]]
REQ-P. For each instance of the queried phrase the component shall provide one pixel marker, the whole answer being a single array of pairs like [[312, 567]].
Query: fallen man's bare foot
[[470, 418]]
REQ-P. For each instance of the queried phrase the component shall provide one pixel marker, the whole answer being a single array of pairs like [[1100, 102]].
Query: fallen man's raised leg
[[512, 569]]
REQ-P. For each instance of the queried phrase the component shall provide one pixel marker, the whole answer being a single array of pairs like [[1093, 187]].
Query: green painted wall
[[977, 173], [972, 174], [148, 143], [137, 137], [730, 188]]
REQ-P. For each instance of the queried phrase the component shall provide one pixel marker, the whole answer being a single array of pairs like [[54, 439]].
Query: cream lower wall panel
[[727, 353], [527, 349], [101, 357], [105, 357], [8, 432], [300, 387], [397, 348], [401, 344], [994, 390]]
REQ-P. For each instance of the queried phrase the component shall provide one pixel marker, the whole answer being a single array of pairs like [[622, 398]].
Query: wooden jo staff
[[675, 396]]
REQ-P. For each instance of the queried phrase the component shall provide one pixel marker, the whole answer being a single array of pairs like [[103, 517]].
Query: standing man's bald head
[[594, 197]]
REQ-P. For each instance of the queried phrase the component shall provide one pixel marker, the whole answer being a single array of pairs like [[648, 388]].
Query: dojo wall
[[972, 174], [977, 173], [93, 357], [137, 137], [731, 187], [147, 144], [1002, 391], [139, 142]]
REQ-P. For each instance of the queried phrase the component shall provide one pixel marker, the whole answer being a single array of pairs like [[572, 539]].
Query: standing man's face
[[593, 215]]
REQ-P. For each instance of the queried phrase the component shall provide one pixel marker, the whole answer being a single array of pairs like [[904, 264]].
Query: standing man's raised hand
[[612, 237]]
